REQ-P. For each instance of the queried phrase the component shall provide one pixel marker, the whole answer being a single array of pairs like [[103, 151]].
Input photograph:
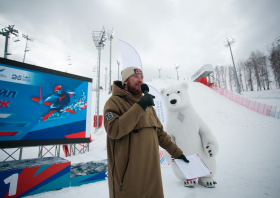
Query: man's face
[[133, 84]]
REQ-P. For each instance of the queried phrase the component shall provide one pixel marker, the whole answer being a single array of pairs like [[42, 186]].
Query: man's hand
[[146, 100], [183, 157]]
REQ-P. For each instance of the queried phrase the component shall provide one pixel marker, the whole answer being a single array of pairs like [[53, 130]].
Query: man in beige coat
[[134, 134]]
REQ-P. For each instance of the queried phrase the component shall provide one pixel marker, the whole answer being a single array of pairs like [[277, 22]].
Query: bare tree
[[274, 60], [231, 76], [239, 74], [264, 73], [223, 75], [242, 67], [256, 68], [217, 76], [249, 74]]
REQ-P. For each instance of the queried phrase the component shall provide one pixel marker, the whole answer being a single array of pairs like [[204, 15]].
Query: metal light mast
[[26, 49], [176, 66], [99, 39], [159, 71], [6, 32], [110, 34], [228, 42], [118, 69], [106, 78]]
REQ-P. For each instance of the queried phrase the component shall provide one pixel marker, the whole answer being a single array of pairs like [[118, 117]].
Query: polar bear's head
[[176, 97]]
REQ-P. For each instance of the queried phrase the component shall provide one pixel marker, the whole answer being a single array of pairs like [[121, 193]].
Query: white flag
[[130, 57]]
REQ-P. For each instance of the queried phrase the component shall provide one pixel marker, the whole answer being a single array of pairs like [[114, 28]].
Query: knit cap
[[129, 71]]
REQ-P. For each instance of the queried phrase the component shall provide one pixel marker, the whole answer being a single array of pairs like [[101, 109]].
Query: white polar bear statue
[[189, 132]]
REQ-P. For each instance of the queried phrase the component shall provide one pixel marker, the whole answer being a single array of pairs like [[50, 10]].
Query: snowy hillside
[[269, 97], [248, 163]]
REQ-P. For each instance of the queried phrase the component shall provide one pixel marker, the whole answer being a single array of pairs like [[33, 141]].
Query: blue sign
[[39, 106]]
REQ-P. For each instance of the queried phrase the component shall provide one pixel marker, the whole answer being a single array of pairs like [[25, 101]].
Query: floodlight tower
[[106, 78], [26, 49], [228, 42], [118, 62], [6, 32], [99, 39], [159, 71], [110, 34], [176, 66]]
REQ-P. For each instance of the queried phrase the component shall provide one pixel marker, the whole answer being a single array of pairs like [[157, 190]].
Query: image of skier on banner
[[62, 97], [58, 101]]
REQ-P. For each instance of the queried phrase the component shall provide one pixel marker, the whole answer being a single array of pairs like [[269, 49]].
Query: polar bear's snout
[[174, 101]]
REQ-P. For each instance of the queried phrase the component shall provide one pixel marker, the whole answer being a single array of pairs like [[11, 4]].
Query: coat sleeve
[[165, 141], [117, 124]]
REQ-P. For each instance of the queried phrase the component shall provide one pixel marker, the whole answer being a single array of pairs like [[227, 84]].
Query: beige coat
[[133, 139]]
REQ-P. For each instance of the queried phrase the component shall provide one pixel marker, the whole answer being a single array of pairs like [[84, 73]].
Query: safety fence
[[246, 102], [277, 115]]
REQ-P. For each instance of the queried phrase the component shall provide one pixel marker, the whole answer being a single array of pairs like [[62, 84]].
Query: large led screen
[[40, 106]]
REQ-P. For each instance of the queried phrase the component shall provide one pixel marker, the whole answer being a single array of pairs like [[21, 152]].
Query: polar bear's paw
[[207, 182], [211, 150], [189, 184]]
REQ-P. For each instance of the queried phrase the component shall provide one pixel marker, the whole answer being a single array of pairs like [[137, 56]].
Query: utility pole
[[228, 42], [26, 49], [110, 34], [118, 69], [6, 32]]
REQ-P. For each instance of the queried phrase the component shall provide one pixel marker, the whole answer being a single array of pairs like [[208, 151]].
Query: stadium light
[[110, 34], [227, 43], [99, 39], [176, 66], [159, 71], [118, 62]]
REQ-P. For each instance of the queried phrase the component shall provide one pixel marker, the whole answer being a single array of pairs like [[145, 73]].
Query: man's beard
[[133, 90]]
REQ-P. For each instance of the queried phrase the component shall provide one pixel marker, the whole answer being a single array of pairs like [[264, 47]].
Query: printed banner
[[40, 105], [162, 116]]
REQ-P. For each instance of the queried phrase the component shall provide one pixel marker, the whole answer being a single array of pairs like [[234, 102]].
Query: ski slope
[[248, 163]]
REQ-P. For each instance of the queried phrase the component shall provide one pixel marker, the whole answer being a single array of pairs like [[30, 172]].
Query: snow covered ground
[[248, 163], [268, 97]]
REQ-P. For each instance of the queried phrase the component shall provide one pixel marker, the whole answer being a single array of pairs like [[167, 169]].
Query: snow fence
[[246, 102]]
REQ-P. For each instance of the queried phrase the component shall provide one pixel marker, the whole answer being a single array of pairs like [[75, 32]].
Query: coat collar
[[118, 91]]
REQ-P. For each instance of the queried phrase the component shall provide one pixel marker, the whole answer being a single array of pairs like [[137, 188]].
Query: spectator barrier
[[276, 115], [250, 104]]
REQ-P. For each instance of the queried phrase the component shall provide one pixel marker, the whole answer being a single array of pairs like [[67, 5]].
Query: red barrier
[[250, 104], [203, 80], [66, 150], [100, 120]]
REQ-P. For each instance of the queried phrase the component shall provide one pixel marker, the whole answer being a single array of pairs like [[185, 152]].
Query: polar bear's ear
[[185, 85], [162, 92]]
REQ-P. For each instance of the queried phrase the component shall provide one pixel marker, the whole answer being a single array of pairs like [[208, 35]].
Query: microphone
[[144, 88]]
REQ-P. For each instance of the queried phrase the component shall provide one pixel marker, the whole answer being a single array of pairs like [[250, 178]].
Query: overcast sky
[[163, 32]]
